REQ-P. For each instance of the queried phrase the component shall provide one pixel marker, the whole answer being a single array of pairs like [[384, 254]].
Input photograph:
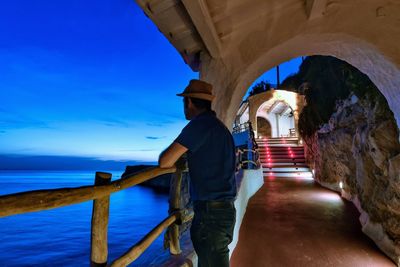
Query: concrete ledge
[[251, 182]]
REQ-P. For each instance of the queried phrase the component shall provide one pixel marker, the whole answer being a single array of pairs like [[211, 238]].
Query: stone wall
[[360, 148]]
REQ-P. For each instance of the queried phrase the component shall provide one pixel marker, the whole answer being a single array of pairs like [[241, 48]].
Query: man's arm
[[170, 155]]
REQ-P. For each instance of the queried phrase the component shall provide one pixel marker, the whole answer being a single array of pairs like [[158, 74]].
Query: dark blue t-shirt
[[211, 158]]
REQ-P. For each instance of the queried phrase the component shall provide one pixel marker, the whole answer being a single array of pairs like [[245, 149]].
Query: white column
[[277, 124]]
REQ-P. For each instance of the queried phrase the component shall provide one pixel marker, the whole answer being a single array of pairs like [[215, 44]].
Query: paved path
[[295, 222]]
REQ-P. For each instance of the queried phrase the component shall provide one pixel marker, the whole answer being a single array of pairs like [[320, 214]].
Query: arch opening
[[264, 128], [345, 151], [279, 116], [382, 71]]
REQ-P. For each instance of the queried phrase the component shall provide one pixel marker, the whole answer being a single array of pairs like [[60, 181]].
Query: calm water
[[61, 237]]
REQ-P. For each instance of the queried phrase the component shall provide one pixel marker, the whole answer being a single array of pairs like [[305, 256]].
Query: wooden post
[[174, 205], [100, 215]]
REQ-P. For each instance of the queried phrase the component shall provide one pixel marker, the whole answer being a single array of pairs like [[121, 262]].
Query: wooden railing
[[49, 199]]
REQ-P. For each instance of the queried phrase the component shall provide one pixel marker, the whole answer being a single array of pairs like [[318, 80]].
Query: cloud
[[20, 124], [160, 123], [155, 137], [138, 150], [39, 162], [115, 122], [14, 120], [1, 132]]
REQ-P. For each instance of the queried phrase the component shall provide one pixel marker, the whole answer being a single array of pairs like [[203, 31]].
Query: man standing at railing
[[211, 160]]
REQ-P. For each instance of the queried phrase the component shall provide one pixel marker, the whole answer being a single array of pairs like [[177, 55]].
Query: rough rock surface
[[360, 148]]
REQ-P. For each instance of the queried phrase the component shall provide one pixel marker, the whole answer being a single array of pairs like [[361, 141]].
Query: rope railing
[[243, 157], [38, 200]]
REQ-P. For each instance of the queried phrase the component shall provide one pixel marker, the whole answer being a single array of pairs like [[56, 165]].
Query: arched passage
[[382, 70], [277, 111], [359, 163], [279, 107]]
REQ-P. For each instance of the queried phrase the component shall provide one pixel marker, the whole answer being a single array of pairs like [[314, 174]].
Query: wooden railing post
[[100, 215], [175, 205]]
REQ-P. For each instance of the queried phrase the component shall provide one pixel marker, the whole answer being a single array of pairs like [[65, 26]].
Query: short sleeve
[[193, 135]]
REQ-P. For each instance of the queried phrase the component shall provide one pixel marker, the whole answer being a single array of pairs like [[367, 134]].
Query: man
[[211, 160]]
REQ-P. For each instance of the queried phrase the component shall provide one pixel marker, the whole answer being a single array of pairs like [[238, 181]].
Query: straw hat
[[198, 89]]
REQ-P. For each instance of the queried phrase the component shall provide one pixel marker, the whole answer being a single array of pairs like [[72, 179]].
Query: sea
[[61, 237]]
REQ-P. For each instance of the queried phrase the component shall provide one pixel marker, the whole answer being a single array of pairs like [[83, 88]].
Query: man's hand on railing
[[181, 163], [171, 155]]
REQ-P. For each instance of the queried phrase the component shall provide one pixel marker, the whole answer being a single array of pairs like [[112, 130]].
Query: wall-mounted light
[[341, 185]]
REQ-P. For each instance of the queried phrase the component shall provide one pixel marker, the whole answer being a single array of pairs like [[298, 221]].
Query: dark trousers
[[212, 232]]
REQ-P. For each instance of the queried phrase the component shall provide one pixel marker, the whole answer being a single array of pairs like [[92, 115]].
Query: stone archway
[[382, 71], [368, 59], [259, 105], [264, 128]]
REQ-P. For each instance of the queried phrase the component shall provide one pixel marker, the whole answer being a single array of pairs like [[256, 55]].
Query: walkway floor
[[293, 222]]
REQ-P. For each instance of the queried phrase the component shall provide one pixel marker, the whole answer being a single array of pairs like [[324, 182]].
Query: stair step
[[285, 169], [278, 142], [303, 175], [280, 148], [277, 138], [286, 166], [281, 153], [277, 156], [283, 163], [283, 160], [263, 157], [278, 145], [276, 159]]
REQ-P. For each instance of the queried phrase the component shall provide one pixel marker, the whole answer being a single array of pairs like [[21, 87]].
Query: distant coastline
[[160, 183], [63, 163], [69, 163]]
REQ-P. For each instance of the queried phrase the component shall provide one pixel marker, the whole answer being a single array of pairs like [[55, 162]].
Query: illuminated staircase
[[283, 157]]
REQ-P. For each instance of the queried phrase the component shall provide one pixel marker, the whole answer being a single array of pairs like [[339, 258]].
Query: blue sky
[[88, 79]]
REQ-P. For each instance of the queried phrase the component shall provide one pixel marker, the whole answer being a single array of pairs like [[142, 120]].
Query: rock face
[[360, 148]]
